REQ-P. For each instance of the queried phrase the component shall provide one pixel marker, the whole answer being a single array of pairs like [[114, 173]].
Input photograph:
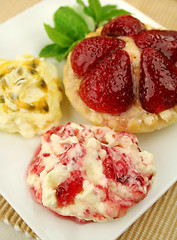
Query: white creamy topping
[[94, 154], [94, 168]]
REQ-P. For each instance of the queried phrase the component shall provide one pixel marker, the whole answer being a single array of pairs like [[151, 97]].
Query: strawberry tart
[[90, 173], [124, 76]]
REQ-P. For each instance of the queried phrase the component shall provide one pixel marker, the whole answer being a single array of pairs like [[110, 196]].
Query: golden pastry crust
[[30, 96], [135, 119]]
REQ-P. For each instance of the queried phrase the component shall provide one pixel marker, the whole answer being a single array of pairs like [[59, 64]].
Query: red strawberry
[[118, 171], [124, 25], [109, 87], [90, 51], [158, 81], [67, 190], [109, 168], [163, 40]]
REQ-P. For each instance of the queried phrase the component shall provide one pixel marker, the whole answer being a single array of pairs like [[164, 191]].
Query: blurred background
[[162, 11]]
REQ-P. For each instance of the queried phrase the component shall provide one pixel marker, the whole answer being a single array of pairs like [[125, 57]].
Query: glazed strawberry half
[[108, 83], [158, 81], [90, 51], [163, 40], [124, 25]]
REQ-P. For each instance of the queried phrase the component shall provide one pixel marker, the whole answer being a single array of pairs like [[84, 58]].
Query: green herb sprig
[[70, 27], [99, 13]]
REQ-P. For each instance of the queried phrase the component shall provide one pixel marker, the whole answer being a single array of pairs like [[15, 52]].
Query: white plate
[[25, 33]]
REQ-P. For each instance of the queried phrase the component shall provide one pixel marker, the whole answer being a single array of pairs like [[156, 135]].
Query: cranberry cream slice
[[91, 173]]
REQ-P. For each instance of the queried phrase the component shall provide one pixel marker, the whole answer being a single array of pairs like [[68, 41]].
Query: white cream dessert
[[30, 96], [91, 173]]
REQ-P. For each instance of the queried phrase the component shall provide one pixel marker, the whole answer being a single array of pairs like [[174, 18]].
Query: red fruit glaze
[[60, 130], [158, 82], [67, 190], [36, 165], [90, 51], [116, 171], [121, 170], [109, 87], [108, 166], [124, 25], [163, 40]]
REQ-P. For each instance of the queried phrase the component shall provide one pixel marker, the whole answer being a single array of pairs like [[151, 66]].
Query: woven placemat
[[162, 11], [160, 221]]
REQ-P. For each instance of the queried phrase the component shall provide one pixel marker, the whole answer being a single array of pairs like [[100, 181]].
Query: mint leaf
[[99, 13], [70, 23], [69, 28], [95, 6], [60, 56], [51, 50], [113, 13], [107, 8], [88, 11], [81, 3], [57, 36]]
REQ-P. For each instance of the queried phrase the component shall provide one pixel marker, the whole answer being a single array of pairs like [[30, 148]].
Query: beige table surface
[[160, 221]]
